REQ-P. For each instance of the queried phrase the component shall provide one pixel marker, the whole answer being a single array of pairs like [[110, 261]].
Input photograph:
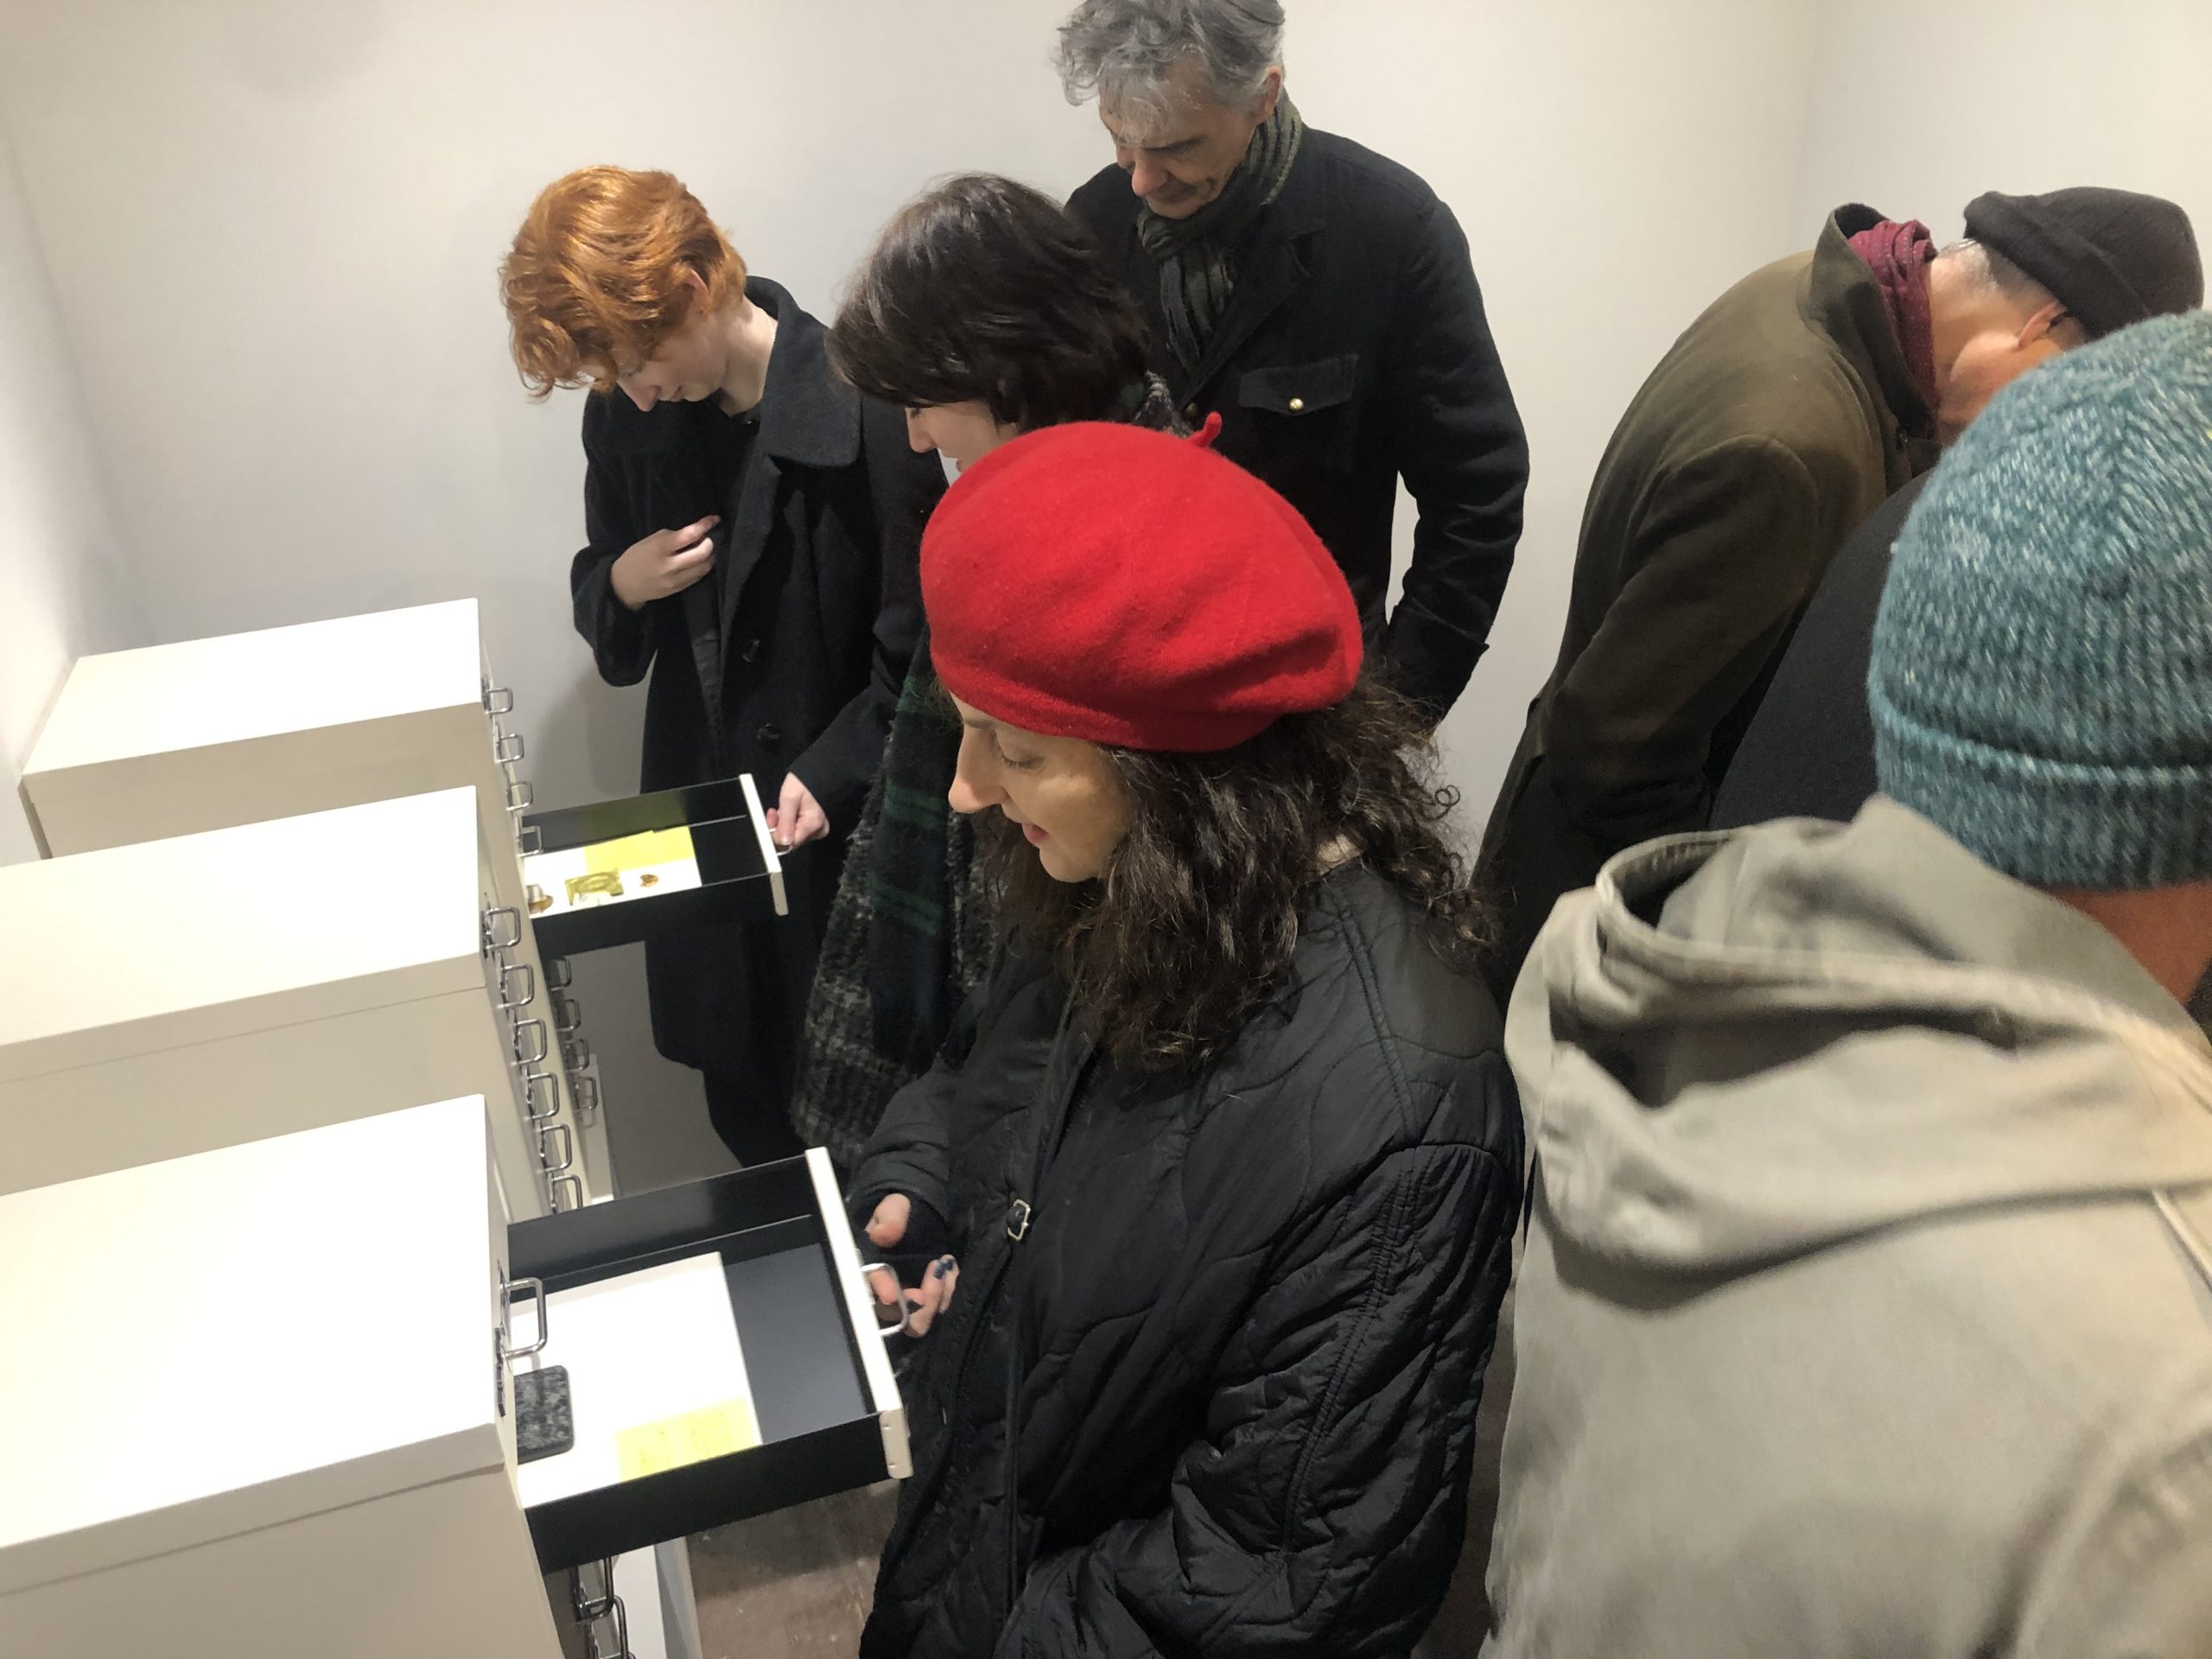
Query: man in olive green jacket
[[1801, 400]]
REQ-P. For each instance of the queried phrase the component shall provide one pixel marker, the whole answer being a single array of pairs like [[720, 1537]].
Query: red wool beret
[[1122, 586]]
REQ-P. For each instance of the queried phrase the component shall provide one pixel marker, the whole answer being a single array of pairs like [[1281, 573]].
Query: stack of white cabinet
[[177, 995], [247, 1415], [209, 733]]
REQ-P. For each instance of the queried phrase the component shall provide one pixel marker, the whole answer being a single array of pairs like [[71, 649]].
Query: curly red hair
[[594, 280]]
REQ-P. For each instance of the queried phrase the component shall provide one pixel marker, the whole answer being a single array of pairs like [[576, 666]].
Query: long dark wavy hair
[[1190, 929], [985, 288]]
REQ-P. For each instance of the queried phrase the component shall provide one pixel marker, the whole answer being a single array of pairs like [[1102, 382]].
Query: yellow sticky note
[[639, 852], [710, 1432]]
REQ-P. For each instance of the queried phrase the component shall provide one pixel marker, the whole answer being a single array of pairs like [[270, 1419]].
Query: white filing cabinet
[[255, 1410], [259, 1406], [166, 998], [207, 734]]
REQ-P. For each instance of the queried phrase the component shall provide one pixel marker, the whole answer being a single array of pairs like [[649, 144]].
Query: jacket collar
[[1843, 301], [1274, 258], [808, 416]]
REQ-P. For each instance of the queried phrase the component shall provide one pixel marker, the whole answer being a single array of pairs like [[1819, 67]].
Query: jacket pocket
[[1306, 413]]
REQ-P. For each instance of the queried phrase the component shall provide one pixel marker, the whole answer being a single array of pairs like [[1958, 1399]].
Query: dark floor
[[796, 1583]]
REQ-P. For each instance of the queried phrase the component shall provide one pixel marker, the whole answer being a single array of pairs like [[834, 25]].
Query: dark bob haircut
[[1189, 931], [985, 288]]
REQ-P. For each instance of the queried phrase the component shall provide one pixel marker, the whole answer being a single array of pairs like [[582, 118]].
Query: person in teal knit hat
[[1867, 1298]]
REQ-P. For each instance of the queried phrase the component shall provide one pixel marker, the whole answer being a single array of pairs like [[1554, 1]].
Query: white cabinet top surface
[[153, 930], [236, 1338], [242, 686]]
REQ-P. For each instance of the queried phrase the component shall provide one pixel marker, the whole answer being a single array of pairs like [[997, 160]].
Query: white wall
[[2016, 95], [61, 593], [273, 229]]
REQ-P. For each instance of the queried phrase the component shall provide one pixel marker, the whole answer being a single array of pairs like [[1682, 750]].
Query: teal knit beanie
[[2041, 680]]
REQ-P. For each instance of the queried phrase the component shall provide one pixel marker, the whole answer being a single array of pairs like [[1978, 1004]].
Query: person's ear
[[1270, 92], [2052, 321]]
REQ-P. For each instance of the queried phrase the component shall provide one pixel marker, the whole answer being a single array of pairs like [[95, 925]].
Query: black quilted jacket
[[1252, 1309]]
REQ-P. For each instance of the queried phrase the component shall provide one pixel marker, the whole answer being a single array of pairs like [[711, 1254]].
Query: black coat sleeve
[[621, 639], [1325, 1508], [903, 486], [1460, 449]]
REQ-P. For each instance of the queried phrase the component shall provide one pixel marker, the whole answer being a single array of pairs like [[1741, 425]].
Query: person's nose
[[643, 397], [1146, 177], [918, 438], [974, 780]]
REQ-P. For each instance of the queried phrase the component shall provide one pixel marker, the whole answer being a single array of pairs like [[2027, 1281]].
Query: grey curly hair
[[1125, 49]]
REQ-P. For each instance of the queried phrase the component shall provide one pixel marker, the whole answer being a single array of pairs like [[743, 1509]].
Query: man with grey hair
[[1777, 424], [1320, 300]]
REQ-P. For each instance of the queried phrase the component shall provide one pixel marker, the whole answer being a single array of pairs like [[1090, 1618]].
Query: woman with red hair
[[1212, 1192], [752, 525]]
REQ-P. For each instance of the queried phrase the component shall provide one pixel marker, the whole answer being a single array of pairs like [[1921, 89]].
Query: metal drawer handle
[[906, 1308], [498, 699], [538, 1088], [576, 1054], [529, 841], [559, 974], [566, 1016], [588, 1607], [507, 1289], [530, 1046], [507, 747], [502, 928], [568, 1193], [518, 986], [567, 1158], [519, 796], [586, 1090], [619, 1621]]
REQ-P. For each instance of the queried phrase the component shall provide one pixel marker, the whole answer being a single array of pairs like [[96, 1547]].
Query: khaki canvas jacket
[[1776, 423]]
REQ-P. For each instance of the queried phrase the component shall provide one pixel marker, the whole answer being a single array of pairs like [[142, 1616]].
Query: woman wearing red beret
[[1224, 1162]]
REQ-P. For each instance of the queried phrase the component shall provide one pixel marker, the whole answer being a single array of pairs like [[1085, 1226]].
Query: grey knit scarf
[[1197, 255]]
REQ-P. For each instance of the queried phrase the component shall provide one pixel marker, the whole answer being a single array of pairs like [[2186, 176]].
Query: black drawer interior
[[734, 876], [819, 1433]]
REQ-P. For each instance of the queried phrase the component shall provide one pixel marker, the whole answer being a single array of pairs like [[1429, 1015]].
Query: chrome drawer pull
[[518, 986], [559, 974], [530, 1044], [498, 699], [539, 1088], [507, 1289], [529, 841], [519, 796], [619, 1621], [502, 928], [566, 1016], [588, 1607], [507, 747], [576, 1054], [905, 1309], [586, 1090], [567, 1158], [567, 1193]]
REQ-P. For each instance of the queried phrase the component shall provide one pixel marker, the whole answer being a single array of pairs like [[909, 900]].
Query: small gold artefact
[[1296, 404], [649, 880], [600, 884], [540, 900]]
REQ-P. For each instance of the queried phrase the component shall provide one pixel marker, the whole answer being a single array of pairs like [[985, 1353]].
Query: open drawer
[[617, 872], [722, 1358]]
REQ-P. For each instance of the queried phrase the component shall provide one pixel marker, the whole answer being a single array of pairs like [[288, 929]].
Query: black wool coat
[[789, 658], [1809, 752], [1246, 1322], [1354, 353]]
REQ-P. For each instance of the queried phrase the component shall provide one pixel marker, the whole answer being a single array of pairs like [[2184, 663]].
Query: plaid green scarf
[[1197, 255]]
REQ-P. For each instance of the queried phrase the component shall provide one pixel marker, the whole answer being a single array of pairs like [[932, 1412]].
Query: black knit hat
[[2109, 257]]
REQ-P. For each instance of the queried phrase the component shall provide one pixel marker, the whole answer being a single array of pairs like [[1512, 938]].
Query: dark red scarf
[[1898, 254]]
